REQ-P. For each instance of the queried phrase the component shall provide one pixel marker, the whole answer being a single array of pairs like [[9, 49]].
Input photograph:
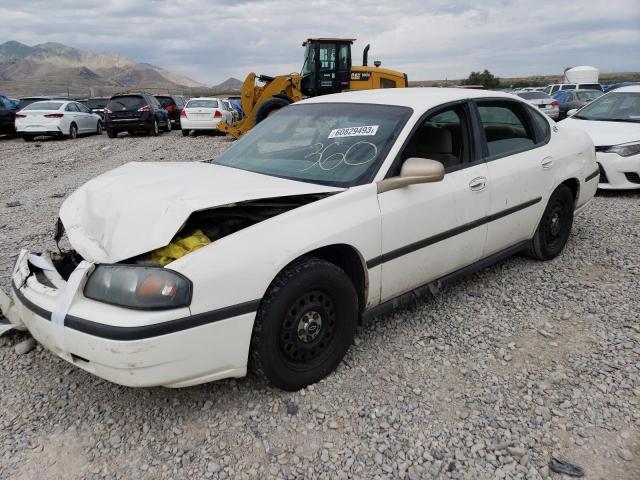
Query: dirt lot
[[501, 371]]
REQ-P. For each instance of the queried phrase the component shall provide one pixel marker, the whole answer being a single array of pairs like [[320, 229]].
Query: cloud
[[436, 39]]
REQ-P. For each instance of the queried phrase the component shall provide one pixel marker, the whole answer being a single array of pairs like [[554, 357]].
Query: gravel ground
[[489, 379]]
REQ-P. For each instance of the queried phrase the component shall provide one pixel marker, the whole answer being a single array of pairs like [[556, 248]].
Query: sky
[[210, 41]]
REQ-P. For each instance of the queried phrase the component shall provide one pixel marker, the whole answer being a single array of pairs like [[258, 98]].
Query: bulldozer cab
[[327, 66]]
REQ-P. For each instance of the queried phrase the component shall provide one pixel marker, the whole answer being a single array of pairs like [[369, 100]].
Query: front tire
[[185, 132], [111, 133], [269, 107], [554, 229], [28, 138], [305, 324]]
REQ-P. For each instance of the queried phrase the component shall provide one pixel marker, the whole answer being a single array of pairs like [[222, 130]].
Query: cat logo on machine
[[360, 76]]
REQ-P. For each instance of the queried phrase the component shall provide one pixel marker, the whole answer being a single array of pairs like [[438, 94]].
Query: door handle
[[546, 163], [478, 184]]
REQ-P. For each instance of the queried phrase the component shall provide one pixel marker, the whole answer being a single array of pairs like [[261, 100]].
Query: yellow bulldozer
[[327, 69]]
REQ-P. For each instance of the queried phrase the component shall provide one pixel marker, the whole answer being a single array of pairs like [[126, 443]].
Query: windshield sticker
[[354, 131]]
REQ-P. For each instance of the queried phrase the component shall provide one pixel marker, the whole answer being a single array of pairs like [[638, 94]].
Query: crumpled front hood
[[605, 133], [139, 207]]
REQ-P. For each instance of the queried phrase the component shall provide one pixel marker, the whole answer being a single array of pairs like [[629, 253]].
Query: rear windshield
[[533, 95], [202, 104], [96, 102], [165, 101], [43, 106], [129, 102]]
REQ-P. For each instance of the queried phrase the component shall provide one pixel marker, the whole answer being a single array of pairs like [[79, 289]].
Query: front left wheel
[[305, 324]]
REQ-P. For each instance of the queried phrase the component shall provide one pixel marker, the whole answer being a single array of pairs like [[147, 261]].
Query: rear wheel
[[305, 324], [73, 132], [154, 130], [99, 128], [185, 132], [111, 133], [28, 138], [269, 107], [554, 229], [168, 127]]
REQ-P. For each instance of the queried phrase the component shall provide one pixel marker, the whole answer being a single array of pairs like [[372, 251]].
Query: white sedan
[[60, 118], [203, 114], [613, 123], [334, 209], [543, 101]]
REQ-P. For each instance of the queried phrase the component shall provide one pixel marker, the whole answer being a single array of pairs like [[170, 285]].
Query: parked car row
[[127, 112]]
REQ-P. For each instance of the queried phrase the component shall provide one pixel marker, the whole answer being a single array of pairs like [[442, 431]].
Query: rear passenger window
[[505, 128], [72, 108], [540, 125]]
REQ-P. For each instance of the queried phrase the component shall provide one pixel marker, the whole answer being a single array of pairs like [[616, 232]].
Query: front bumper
[[134, 348], [620, 173]]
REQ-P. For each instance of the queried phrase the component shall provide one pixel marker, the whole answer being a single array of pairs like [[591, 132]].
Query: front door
[[429, 230]]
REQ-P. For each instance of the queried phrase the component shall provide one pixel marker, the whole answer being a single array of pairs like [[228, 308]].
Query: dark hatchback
[[7, 115], [133, 113], [173, 104]]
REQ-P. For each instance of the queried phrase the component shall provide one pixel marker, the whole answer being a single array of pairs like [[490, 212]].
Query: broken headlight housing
[[138, 287]]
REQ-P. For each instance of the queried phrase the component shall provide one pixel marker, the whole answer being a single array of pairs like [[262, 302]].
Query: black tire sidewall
[[263, 111], [562, 196], [73, 128], [308, 276]]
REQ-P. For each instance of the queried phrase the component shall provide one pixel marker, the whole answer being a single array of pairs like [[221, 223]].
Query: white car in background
[[203, 114], [335, 209], [613, 123], [60, 118], [235, 115], [541, 100]]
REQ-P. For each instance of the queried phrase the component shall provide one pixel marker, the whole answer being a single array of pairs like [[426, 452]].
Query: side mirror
[[414, 170], [572, 112]]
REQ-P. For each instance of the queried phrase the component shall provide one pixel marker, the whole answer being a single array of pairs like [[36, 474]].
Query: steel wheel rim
[[308, 329], [554, 224]]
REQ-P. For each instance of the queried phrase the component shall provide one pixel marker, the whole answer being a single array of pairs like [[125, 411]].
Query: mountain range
[[54, 68]]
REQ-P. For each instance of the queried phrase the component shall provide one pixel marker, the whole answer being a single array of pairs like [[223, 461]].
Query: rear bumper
[[620, 173], [131, 348], [125, 124], [188, 124]]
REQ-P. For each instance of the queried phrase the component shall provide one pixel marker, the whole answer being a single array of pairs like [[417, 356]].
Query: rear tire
[[154, 130], [28, 138], [168, 127], [304, 325], [111, 133], [554, 229], [269, 107], [73, 132], [185, 133], [99, 128]]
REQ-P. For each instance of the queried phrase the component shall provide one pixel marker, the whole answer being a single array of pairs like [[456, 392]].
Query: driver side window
[[443, 136]]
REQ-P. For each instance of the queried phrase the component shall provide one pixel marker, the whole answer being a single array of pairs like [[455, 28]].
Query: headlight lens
[[139, 287], [625, 149]]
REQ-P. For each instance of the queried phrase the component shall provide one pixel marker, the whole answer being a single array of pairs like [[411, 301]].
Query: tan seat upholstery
[[433, 143]]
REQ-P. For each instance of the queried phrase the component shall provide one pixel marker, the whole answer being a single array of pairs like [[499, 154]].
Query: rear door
[[431, 229], [520, 167], [87, 119], [72, 112]]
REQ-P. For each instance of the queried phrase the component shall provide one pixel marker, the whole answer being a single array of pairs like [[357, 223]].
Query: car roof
[[420, 98], [204, 98], [628, 88]]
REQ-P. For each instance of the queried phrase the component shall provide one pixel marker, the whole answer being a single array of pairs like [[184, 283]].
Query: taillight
[[218, 114], [106, 110], [146, 108], [170, 108], [20, 115], [54, 115], [554, 103], [183, 114]]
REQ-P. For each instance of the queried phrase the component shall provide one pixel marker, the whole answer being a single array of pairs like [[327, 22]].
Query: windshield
[[614, 106], [43, 106], [338, 144], [584, 95], [202, 104]]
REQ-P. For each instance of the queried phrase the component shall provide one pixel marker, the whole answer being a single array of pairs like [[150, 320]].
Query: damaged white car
[[335, 209]]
